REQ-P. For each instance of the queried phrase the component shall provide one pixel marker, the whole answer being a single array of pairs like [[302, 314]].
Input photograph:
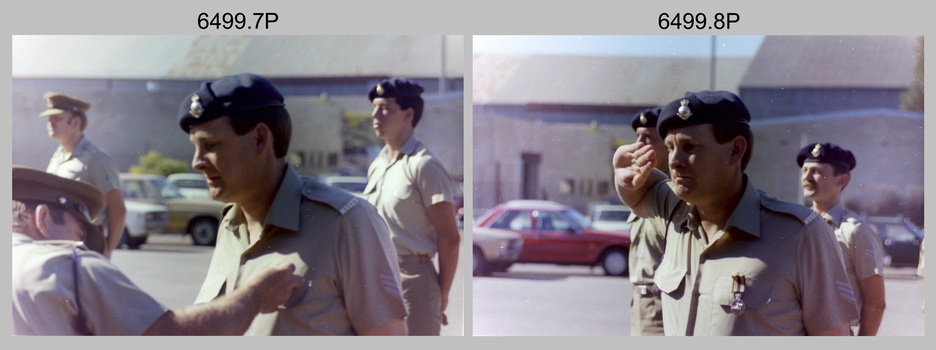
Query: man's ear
[[738, 146], [262, 136], [844, 179], [41, 218]]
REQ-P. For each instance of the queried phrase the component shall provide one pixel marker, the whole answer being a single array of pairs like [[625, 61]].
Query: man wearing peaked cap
[[826, 170], [241, 130], [62, 288], [646, 249], [715, 220], [413, 193], [77, 158]]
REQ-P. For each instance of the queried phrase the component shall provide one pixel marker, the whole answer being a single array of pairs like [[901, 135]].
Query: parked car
[[353, 184], [494, 250], [558, 234], [142, 219], [191, 185], [198, 217], [900, 237], [610, 217]]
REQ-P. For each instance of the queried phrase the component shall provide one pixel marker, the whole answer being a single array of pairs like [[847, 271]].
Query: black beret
[[228, 96], [395, 87], [58, 104], [82, 199], [703, 107], [645, 119], [826, 153]]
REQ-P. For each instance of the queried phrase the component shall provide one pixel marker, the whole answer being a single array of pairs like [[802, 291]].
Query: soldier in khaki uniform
[[413, 193], [646, 249], [737, 262], [826, 170], [338, 243], [77, 158], [62, 285]]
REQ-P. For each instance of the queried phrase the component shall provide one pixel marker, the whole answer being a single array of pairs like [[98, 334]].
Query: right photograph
[[697, 185]]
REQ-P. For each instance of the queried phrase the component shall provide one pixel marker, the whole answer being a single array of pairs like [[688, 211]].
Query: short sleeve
[[433, 182], [370, 273], [827, 298], [868, 252], [661, 203], [112, 304]]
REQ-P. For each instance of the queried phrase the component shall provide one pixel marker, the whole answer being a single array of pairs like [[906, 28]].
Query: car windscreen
[[613, 215], [576, 218]]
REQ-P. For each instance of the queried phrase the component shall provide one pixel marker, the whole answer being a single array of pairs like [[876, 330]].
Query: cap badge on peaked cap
[[684, 112]]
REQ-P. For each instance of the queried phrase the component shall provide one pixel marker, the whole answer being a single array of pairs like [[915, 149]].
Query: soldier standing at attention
[[77, 158], [826, 171], [413, 193], [737, 262], [338, 243], [646, 249]]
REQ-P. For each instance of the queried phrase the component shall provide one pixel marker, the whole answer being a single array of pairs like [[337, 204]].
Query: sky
[[619, 45]]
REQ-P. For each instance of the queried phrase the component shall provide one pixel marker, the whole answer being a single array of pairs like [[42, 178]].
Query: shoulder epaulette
[[340, 200], [804, 214]]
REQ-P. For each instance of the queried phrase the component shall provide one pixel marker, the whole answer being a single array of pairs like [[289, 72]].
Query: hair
[[81, 117], [728, 131], [414, 102], [23, 210], [838, 169], [275, 118]]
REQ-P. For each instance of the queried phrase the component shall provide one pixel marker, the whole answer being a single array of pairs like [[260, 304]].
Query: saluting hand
[[633, 164], [274, 286]]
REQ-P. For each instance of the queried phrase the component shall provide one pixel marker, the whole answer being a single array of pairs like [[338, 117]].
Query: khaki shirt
[[44, 292], [862, 251], [87, 163], [403, 188], [337, 242], [646, 249], [795, 282]]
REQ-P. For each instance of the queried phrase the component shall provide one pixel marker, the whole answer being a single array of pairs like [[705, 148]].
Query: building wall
[[777, 102]]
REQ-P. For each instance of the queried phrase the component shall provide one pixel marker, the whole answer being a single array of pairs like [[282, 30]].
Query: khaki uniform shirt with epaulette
[[87, 163], [794, 279], [44, 295], [337, 242], [646, 249], [402, 189], [862, 250]]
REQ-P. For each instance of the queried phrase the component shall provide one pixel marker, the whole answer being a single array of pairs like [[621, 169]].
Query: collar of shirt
[[835, 214], [746, 216], [284, 212]]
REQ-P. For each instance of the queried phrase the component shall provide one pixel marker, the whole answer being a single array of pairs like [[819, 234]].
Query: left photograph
[[238, 185]]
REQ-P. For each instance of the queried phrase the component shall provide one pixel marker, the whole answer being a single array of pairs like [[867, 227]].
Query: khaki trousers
[[646, 313], [423, 297]]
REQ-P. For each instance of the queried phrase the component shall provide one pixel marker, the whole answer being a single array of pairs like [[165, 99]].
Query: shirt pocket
[[670, 278], [403, 192]]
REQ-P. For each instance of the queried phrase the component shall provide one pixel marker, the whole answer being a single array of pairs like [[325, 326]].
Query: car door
[[560, 240], [520, 221]]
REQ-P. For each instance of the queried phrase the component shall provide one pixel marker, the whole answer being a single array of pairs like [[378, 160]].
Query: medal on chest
[[737, 288]]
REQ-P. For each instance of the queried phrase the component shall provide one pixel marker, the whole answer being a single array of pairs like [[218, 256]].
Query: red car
[[558, 234]]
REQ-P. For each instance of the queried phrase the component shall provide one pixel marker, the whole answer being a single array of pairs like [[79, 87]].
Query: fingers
[[444, 319]]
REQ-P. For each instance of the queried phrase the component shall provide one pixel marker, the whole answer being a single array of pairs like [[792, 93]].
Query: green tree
[[912, 98], [154, 163]]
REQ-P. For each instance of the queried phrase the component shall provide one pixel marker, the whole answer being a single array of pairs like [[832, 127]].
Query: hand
[[632, 164], [444, 306], [273, 287]]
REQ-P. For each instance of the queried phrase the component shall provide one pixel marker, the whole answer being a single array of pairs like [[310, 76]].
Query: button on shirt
[[862, 251], [402, 189], [795, 282], [87, 163], [44, 298], [337, 242]]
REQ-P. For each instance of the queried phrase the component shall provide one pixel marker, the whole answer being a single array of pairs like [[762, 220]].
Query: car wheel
[[479, 265], [501, 267], [130, 241], [204, 231], [614, 262]]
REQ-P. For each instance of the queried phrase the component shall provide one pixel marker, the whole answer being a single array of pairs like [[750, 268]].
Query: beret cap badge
[[684, 112], [196, 109], [643, 119], [817, 151], [380, 89]]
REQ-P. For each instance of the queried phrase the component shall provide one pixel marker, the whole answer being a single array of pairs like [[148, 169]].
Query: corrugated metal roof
[[596, 80], [833, 61], [200, 57]]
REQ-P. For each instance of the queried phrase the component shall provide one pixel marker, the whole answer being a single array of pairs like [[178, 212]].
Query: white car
[[191, 185], [353, 184], [610, 217], [494, 250], [142, 219]]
